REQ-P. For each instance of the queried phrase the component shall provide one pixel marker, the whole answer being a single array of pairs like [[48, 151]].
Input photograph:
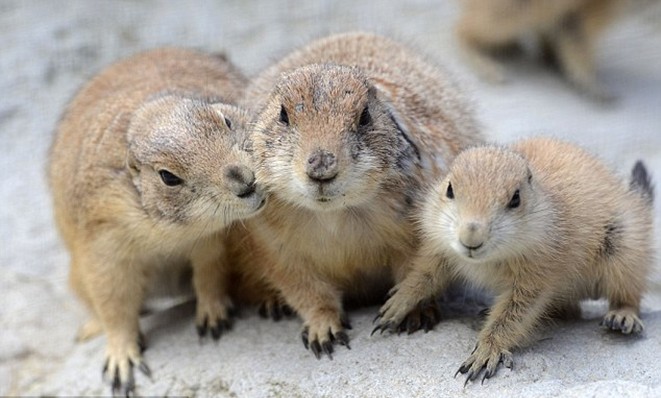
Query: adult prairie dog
[[541, 223], [349, 130], [147, 168], [567, 31]]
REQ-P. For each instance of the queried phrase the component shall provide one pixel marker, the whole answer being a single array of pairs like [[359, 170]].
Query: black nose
[[240, 180], [322, 166]]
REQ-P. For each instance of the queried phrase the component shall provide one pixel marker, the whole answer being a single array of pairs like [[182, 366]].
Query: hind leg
[[479, 43], [92, 327], [625, 265], [210, 278], [572, 43], [623, 291], [116, 290]]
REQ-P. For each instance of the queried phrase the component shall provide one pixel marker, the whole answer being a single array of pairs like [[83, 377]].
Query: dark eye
[[284, 117], [170, 179], [515, 201], [228, 123], [365, 118], [449, 193]]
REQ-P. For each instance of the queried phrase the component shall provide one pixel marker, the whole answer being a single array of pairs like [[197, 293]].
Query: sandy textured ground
[[50, 47]]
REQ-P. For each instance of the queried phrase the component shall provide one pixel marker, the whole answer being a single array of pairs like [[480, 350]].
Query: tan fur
[[348, 235], [567, 30], [160, 110], [578, 232]]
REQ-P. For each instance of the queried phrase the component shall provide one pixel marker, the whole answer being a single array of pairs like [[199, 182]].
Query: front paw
[[321, 336], [623, 320], [401, 313], [214, 317], [118, 368], [485, 357], [275, 308]]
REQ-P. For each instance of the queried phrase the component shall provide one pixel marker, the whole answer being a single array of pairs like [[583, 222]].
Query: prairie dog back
[[566, 31]]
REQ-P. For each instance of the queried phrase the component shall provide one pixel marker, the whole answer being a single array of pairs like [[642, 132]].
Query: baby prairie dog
[[349, 129], [566, 29], [147, 168], [541, 223]]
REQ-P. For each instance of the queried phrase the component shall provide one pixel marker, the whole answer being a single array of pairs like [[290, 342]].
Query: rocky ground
[[50, 48]]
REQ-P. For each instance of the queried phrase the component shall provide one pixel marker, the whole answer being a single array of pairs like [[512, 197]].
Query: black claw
[[412, 324], [377, 317], [263, 311], [202, 329], [216, 331], [104, 371], [342, 339], [346, 324], [427, 324], [287, 310], [304, 337], [315, 347], [233, 311], [375, 329], [463, 369], [144, 369], [116, 383], [275, 313], [468, 377], [327, 347], [142, 342]]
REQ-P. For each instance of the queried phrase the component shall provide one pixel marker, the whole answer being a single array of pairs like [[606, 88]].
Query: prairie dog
[[147, 167], [541, 223], [567, 31], [349, 129]]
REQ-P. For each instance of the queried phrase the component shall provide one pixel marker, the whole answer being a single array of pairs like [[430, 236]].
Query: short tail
[[641, 182]]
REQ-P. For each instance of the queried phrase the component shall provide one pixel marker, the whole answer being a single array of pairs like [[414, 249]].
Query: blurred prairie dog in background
[[147, 168], [567, 31], [349, 130], [542, 224]]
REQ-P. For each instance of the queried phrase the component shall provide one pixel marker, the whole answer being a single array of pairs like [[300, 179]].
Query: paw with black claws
[[321, 339], [485, 360], [213, 317], [623, 320], [215, 329], [402, 313], [118, 369], [275, 309]]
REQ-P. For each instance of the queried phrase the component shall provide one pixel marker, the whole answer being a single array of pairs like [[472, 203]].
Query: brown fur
[[159, 110], [567, 30], [578, 232], [373, 123]]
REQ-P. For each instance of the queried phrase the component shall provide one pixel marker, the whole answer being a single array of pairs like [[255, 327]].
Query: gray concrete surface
[[49, 48]]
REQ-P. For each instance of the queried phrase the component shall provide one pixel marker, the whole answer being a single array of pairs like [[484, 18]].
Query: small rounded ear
[[529, 176], [401, 121], [220, 110], [132, 163]]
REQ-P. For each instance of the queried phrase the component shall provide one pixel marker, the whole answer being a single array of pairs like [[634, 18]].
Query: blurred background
[[49, 48]]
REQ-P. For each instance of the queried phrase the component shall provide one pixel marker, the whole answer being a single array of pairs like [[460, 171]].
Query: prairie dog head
[[189, 163], [489, 206], [324, 140]]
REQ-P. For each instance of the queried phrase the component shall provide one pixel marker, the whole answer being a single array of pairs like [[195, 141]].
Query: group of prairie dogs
[[350, 166]]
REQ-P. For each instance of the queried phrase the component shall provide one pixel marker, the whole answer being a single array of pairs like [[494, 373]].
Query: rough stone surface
[[50, 48]]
